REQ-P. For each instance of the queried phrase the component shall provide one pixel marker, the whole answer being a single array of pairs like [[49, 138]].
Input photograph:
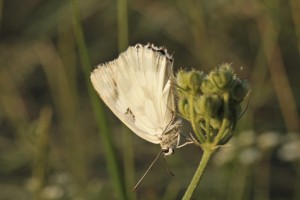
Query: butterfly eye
[[168, 151]]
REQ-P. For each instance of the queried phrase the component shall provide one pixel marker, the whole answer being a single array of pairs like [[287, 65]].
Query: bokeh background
[[58, 141]]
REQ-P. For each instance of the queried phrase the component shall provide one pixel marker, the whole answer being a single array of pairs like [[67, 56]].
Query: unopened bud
[[199, 105], [182, 79], [183, 107], [195, 79], [222, 76], [209, 87], [215, 123], [239, 90], [208, 105]]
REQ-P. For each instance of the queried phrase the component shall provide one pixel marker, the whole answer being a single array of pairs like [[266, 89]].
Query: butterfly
[[138, 87]]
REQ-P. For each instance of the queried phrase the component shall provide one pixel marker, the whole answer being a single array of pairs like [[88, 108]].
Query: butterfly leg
[[184, 144], [190, 140]]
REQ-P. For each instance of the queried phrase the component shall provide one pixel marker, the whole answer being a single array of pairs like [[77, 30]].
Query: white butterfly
[[138, 88]]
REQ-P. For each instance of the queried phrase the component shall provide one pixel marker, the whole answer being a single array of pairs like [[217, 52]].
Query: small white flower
[[268, 140], [52, 192], [249, 156], [290, 151]]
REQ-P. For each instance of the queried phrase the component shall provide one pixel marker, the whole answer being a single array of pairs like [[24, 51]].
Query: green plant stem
[[41, 152], [207, 128], [110, 154], [122, 24], [208, 151]]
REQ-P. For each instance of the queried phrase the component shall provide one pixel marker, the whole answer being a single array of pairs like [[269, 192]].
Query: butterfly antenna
[[168, 169], [147, 171]]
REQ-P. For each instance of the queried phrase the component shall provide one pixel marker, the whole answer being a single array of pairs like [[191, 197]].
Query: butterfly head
[[168, 152]]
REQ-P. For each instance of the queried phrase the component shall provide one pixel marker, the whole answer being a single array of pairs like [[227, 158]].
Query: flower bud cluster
[[211, 102]]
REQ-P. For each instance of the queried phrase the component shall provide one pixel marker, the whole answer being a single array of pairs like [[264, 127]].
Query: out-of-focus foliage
[[49, 142]]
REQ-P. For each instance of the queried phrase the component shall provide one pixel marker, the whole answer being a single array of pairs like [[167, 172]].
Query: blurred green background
[[59, 141]]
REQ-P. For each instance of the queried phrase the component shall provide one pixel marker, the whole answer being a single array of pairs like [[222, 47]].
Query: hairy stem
[[208, 151]]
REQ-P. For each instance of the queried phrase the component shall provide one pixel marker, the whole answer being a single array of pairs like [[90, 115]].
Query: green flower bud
[[222, 76], [215, 123], [195, 79], [239, 90], [216, 102], [200, 105], [209, 87], [183, 108], [182, 79], [181, 94], [208, 105]]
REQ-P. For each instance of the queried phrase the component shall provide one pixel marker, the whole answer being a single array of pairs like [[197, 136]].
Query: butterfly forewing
[[137, 87]]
